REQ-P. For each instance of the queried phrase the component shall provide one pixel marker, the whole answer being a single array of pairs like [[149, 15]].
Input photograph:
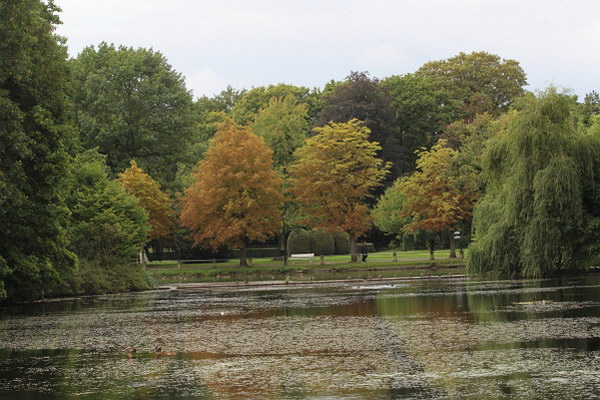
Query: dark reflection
[[390, 340]]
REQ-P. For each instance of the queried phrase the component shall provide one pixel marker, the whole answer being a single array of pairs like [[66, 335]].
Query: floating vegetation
[[426, 339]]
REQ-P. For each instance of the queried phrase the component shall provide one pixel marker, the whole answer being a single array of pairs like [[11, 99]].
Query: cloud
[[206, 82]]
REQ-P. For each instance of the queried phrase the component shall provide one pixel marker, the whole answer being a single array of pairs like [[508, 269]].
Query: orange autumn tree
[[158, 205], [334, 174], [437, 196], [236, 193]]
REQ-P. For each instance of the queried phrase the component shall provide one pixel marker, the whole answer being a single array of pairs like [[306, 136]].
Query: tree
[[480, 81], [334, 174], [131, 104], [36, 138], [433, 200], [249, 104], [422, 111], [540, 212], [235, 197], [108, 229], [590, 107], [156, 203], [363, 98], [284, 126]]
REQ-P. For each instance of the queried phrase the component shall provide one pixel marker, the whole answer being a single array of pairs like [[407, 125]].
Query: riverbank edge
[[243, 284]]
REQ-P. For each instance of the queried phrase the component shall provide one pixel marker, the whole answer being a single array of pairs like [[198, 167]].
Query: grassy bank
[[380, 264]]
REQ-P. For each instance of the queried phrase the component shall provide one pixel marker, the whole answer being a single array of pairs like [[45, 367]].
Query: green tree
[[422, 111], [590, 107], [480, 81], [335, 172], [249, 104], [284, 126], [108, 228], [35, 137], [131, 104], [540, 211]]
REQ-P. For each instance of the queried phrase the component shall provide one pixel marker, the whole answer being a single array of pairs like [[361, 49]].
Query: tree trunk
[[283, 246], [431, 248], [452, 245], [353, 256], [243, 258]]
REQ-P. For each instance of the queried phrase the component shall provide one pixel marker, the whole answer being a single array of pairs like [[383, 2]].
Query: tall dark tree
[[131, 104], [35, 138]]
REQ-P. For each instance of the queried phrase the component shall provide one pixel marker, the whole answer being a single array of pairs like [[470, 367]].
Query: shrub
[[299, 241], [342, 243], [323, 243]]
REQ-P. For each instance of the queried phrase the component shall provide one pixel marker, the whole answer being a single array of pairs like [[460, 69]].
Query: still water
[[450, 339]]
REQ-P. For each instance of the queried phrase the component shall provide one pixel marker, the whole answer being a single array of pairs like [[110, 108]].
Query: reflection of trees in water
[[485, 341]]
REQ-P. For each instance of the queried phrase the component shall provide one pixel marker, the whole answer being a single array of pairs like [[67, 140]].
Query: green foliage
[[283, 124], [342, 242], [249, 104], [299, 241], [131, 104], [323, 243], [36, 138], [480, 81], [387, 214], [316, 241], [109, 228], [422, 110], [542, 193]]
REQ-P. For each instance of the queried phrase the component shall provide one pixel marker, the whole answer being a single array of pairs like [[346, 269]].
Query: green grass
[[267, 268]]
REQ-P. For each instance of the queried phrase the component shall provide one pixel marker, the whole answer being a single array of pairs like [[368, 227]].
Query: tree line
[[106, 153]]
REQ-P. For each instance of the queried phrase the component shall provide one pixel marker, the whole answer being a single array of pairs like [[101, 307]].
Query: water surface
[[443, 339]]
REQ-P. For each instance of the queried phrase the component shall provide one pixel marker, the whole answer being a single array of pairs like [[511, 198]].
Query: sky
[[249, 43]]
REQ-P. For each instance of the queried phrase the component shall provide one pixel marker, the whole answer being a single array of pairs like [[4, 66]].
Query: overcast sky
[[246, 43]]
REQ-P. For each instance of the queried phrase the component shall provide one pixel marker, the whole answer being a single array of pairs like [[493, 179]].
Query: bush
[[98, 277], [323, 243], [342, 243], [299, 242]]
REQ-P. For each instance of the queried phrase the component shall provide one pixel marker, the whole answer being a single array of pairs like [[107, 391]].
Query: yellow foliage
[[158, 205], [334, 173], [236, 193], [433, 201]]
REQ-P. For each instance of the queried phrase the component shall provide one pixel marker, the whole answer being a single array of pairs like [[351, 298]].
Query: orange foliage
[[236, 193], [158, 205], [335, 172], [434, 201]]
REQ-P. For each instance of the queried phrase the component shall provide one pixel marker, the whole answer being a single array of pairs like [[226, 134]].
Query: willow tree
[[335, 172], [235, 196], [538, 213]]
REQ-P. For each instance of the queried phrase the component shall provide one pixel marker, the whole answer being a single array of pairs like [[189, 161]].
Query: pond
[[440, 339]]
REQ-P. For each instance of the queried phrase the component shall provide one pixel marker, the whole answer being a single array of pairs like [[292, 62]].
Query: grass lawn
[[378, 264]]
